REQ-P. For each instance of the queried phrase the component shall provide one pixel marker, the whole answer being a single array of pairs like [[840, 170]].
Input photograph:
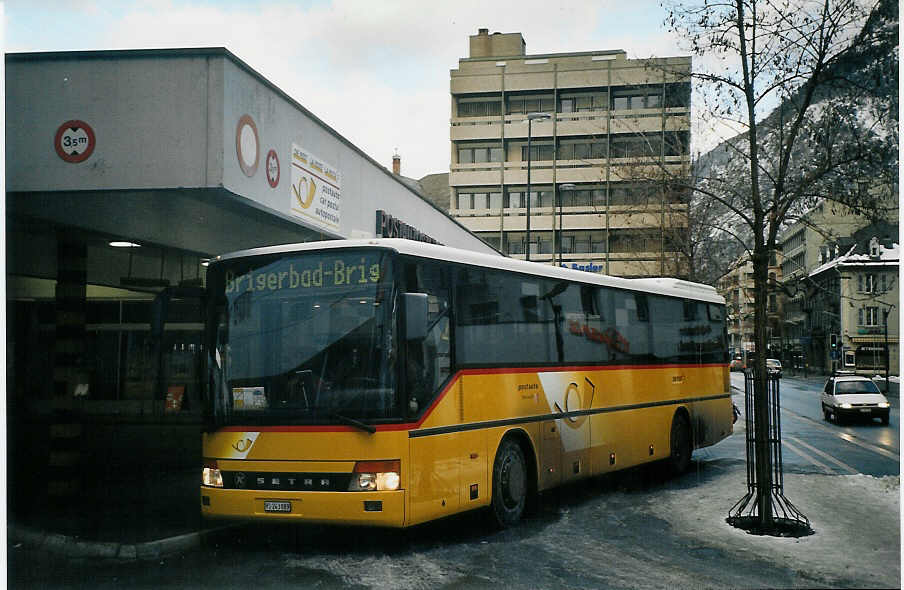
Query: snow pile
[[856, 519]]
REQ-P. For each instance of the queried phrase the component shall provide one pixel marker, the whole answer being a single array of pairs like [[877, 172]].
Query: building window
[[598, 244], [868, 316], [635, 147], [514, 246], [539, 198], [479, 155], [567, 244], [529, 104], [480, 200], [644, 97], [677, 95], [479, 108], [538, 152], [582, 150], [583, 102], [867, 283]]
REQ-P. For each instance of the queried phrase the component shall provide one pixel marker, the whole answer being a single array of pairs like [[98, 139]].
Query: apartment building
[[591, 174], [825, 233], [857, 294]]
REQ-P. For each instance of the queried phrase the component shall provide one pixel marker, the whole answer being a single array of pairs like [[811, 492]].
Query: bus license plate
[[277, 506], [865, 410]]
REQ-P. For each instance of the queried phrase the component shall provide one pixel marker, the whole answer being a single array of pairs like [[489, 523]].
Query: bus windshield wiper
[[352, 422]]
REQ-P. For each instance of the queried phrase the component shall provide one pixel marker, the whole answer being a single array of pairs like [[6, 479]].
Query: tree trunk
[[760, 392]]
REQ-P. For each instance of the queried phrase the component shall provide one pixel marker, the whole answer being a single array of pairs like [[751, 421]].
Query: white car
[[849, 396]]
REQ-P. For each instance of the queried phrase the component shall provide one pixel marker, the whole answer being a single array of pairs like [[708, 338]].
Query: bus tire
[[681, 444], [509, 483]]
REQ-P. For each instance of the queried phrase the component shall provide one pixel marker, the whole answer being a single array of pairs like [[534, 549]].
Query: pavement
[[126, 515], [138, 514]]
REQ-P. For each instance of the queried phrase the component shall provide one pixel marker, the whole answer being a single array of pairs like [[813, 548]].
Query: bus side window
[[428, 361]]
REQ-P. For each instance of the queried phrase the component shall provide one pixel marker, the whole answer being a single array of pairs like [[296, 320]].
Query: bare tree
[[814, 128]]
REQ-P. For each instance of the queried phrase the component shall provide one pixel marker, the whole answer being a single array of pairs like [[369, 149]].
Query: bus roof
[[660, 285]]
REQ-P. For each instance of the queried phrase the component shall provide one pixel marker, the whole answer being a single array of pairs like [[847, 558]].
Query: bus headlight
[[883, 404], [846, 406], [211, 475], [378, 476]]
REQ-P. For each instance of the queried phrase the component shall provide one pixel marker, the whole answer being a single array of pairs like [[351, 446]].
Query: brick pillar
[[69, 371]]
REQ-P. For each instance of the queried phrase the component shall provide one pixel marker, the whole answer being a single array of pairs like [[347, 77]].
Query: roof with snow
[[883, 257]]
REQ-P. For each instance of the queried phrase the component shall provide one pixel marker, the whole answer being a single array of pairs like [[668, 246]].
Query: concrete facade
[[617, 128], [125, 172]]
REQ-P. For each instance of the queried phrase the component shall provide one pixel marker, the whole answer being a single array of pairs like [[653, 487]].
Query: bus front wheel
[[509, 483]]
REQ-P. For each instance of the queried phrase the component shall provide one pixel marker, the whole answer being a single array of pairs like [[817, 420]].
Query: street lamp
[[530, 119], [885, 313], [562, 187]]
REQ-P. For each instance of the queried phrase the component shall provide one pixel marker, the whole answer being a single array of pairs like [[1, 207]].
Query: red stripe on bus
[[458, 375]]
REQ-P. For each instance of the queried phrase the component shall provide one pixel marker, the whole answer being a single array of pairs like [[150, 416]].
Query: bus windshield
[[302, 339]]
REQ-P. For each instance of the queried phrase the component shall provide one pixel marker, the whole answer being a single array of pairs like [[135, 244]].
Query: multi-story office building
[[595, 168]]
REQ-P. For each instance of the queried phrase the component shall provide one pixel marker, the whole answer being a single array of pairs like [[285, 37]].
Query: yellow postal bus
[[391, 382]]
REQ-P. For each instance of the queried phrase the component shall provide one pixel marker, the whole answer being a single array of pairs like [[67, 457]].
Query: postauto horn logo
[[304, 192]]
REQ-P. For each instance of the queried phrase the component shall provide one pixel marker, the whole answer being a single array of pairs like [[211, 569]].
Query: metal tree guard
[[785, 520]]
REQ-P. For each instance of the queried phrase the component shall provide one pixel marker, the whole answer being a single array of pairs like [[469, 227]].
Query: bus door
[[448, 468]]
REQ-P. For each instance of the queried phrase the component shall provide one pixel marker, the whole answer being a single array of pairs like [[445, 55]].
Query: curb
[[67, 546]]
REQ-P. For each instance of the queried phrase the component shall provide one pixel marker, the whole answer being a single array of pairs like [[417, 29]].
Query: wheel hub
[[513, 483]]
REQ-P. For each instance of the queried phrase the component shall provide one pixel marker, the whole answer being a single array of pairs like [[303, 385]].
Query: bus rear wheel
[[509, 483], [681, 445]]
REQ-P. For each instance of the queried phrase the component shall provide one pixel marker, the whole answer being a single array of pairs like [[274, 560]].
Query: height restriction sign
[[74, 141]]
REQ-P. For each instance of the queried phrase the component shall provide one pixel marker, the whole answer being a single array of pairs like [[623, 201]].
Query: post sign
[[315, 193], [74, 141]]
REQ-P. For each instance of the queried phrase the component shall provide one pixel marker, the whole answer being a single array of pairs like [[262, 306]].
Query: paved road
[[813, 445], [633, 529]]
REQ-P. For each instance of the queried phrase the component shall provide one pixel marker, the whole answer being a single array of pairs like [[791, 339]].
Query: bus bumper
[[343, 508]]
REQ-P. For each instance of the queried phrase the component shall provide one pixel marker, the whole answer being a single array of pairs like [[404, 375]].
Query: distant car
[[849, 396], [736, 365], [774, 367]]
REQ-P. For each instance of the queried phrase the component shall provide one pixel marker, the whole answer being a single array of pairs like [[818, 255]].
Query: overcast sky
[[376, 71]]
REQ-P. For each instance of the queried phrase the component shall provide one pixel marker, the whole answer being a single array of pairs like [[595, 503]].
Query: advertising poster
[[315, 194]]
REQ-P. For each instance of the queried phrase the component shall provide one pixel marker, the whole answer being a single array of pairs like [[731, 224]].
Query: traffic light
[[833, 338]]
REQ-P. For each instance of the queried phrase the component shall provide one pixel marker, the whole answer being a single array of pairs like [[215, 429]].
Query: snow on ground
[[856, 519]]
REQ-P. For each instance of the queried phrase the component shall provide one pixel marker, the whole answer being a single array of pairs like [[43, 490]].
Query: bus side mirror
[[415, 316]]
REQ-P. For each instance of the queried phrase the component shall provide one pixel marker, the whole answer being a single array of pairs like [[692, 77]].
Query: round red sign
[[247, 145], [74, 141], [272, 164]]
